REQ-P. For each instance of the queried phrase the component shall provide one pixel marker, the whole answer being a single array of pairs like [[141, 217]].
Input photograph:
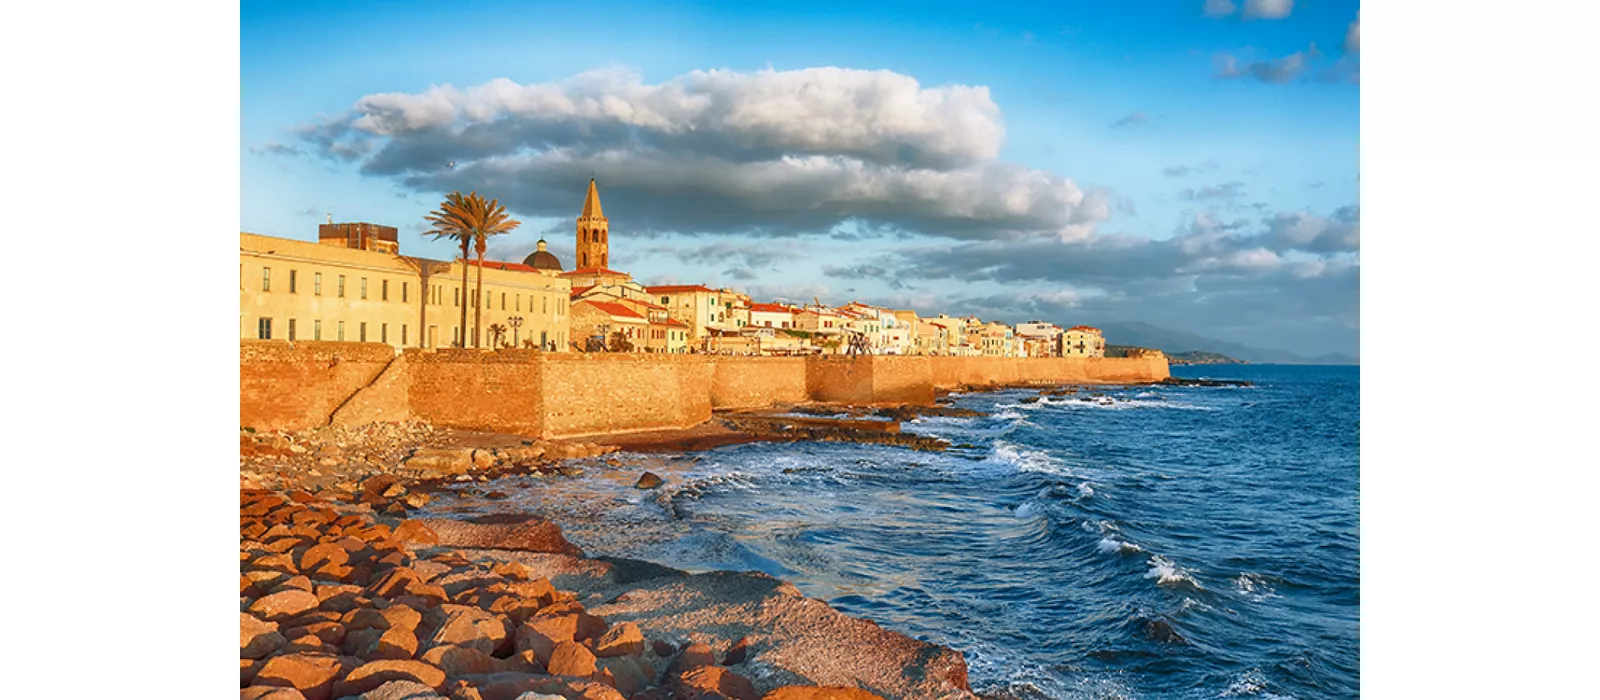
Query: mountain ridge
[[1170, 341]]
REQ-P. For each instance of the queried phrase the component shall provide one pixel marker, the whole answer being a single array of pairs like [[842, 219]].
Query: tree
[[620, 343], [497, 335], [470, 220]]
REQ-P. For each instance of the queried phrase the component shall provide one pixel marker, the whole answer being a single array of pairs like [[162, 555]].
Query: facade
[[707, 311], [1081, 341], [354, 286], [771, 316], [600, 320], [1041, 339]]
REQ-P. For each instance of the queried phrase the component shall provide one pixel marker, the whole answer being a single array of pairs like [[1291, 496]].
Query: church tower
[[593, 233]]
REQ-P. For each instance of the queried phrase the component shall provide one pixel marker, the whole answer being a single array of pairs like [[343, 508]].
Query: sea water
[[1135, 542]]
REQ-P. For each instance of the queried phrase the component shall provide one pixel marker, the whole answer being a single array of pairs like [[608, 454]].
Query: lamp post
[[516, 337]]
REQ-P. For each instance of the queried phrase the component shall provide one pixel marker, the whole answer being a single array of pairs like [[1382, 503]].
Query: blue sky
[[1165, 162]]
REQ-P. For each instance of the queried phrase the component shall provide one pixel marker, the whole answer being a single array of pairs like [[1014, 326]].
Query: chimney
[[330, 217]]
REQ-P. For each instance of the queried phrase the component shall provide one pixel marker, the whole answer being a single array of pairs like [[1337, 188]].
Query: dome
[[542, 259]]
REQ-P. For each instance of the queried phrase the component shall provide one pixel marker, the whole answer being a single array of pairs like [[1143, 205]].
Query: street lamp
[[516, 323]]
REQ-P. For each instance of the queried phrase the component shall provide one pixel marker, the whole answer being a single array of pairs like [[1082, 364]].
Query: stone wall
[[294, 386], [560, 395], [758, 382]]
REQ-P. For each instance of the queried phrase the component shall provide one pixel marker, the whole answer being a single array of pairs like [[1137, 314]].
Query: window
[[502, 301], [291, 321], [476, 301], [341, 330], [543, 337], [264, 328], [266, 279], [383, 293], [316, 284], [363, 287], [363, 331], [316, 329], [383, 333], [403, 338], [665, 301], [405, 294], [519, 302], [341, 289], [456, 298], [291, 284], [546, 305]]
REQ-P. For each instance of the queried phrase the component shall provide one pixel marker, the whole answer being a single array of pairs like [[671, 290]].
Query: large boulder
[[466, 626], [284, 604], [714, 683], [572, 659], [257, 638], [312, 674], [372, 674], [402, 690], [521, 532]]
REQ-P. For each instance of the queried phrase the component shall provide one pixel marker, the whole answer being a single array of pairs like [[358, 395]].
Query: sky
[[1192, 164]]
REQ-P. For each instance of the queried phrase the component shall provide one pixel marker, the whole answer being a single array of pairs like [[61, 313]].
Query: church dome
[[542, 259]]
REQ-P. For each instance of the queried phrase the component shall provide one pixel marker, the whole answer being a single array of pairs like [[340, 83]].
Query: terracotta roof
[[499, 265], [770, 309], [593, 271], [673, 322], [641, 302], [614, 309], [578, 291], [1091, 329], [675, 288]]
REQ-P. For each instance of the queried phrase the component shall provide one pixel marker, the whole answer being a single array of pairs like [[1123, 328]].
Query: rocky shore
[[342, 594]]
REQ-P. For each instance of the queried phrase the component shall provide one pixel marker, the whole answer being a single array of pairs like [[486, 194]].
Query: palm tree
[[470, 220], [497, 333]]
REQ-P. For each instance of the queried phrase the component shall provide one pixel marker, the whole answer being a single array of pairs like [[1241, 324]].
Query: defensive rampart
[[559, 395]]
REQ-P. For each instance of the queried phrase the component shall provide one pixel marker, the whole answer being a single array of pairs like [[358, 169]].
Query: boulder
[[572, 659], [329, 632], [257, 638], [458, 661], [270, 692], [414, 531], [310, 673], [461, 625], [284, 604], [441, 460], [694, 656], [372, 674], [621, 640], [319, 556], [503, 531], [800, 692], [541, 633], [714, 683], [647, 480], [630, 674], [401, 690], [737, 653], [377, 644]]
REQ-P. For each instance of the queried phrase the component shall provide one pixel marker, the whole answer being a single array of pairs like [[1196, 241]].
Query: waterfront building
[[1083, 341], [595, 323], [1041, 339], [705, 310], [772, 316]]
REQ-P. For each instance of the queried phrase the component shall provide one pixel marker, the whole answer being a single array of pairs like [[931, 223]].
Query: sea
[[1121, 542]]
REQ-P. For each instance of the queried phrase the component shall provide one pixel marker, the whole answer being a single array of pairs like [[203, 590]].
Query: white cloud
[[1268, 9], [1219, 8], [1352, 36]]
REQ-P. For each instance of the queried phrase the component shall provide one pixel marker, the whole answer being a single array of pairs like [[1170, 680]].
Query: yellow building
[[1083, 341], [355, 286]]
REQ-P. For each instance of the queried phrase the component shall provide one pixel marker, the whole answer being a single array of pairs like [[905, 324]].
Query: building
[[1079, 341], [772, 316], [594, 233], [707, 311], [1041, 339], [595, 323]]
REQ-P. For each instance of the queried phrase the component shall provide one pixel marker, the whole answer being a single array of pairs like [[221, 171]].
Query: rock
[[270, 692], [458, 661], [541, 633], [466, 626], [621, 640], [372, 674], [663, 648], [393, 582], [415, 531], [311, 674], [248, 669], [531, 695], [257, 638], [694, 656], [331, 633], [715, 683], [375, 644], [284, 604], [800, 692], [737, 653], [630, 674], [440, 460], [483, 459], [401, 690], [647, 480], [572, 659], [318, 556], [503, 531]]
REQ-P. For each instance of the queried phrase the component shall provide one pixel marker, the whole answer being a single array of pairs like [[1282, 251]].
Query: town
[[354, 285]]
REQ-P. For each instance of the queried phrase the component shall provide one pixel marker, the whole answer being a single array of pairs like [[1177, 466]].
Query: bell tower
[[593, 232]]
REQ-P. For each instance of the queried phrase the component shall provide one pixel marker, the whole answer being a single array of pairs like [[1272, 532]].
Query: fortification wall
[[758, 382], [555, 395], [294, 386], [606, 393]]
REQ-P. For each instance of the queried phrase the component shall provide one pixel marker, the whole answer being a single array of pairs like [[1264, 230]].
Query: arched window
[[585, 260]]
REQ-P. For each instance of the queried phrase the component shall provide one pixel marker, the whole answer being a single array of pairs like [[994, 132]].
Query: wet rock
[[372, 674], [647, 480], [1162, 631]]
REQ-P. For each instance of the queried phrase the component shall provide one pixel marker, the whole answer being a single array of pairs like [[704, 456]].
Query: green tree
[[470, 220]]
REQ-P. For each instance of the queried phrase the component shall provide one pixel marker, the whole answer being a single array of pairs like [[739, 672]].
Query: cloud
[[1134, 119], [308, 211], [1352, 36], [1218, 8], [762, 153], [1272, 70], [1268, 9], [1225, 191], [273, 148], [746, 256]]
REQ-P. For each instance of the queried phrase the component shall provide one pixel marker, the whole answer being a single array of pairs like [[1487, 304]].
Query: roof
[[672, 322], [499, 265], [1090, 329], [578, 291], [582, 271], [614, 309], [757, 308], [642, 302], [678, 288], [591, 204], [542, 259]]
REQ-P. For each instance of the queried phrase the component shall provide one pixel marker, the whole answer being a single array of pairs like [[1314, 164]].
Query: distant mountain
[[1174, 342], [1192, 357]]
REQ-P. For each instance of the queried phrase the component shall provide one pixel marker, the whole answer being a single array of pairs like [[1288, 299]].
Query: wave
[[1085, 490], [1026, 460], [1254, 587], [1167, 573], [1252, 683], [1112, 545]]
